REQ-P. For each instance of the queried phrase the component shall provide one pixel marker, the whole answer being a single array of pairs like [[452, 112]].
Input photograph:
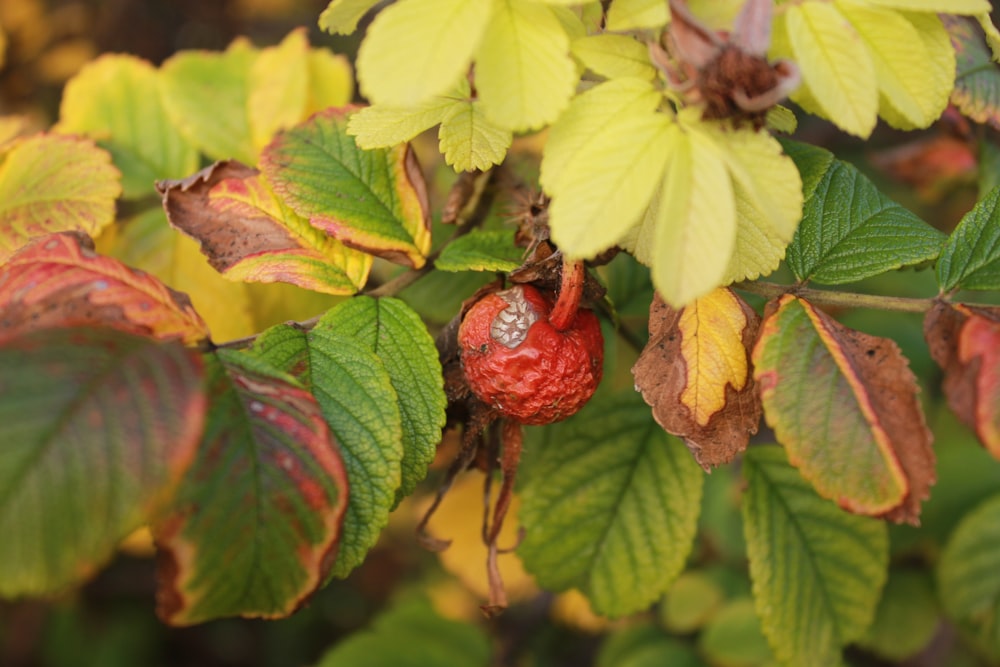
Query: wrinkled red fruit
[[517, 362]]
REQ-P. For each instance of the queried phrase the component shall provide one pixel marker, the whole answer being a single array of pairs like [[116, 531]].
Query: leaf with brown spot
[[695, 374], [59, 281], [844, 405], [965, 343], [250, 234], [255, 526]]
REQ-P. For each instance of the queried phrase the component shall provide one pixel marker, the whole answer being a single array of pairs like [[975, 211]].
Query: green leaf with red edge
[[817, 571], [116, 100], [59, 281], [355, 393], [255, 525], [52, 183], [844, 404], [397, 336], [375, 201], [965, 343], [970, 258], [96, 427], [977, 79], [249, 234]]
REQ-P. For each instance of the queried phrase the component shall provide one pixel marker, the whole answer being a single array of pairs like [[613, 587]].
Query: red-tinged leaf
[[51, 183], [844, 404], [249, 234], [965, 343], [96, 428], [256, 523], [59, 281], [375, 200], [695, 374], [977, 79]]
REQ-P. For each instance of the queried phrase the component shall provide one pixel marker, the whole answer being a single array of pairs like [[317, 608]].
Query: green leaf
[[412, 635], [481, 250], [400, 340], [850, 230], [691, 602], [614, 56], [609, 504], [52, 183], [733, 637], [356, 396], [907, 617], [812, 162], [342, 16], [206, 95], [374, 201], [968, 579], [645, 646], [524, 73], [96, 427], [469, 140], [116, 100], [970, 258], [394, 68], [817, 571]]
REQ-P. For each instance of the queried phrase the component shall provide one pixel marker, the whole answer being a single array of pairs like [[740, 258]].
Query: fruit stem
[[512, 441], [570, 293]]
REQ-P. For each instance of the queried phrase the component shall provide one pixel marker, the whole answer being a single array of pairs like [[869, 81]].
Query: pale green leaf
[[342, 16], [970, 258], [481, 250], [607, 186], [585, 120], [940, 6], [914, 82], [968, 578], [939, 66], [395, 67], [632, 14], [817, 571], [609, 505], [384, 126], [469, 140], [835, 65], [524, 73], [733, 637], [116, 101], [614, 56]]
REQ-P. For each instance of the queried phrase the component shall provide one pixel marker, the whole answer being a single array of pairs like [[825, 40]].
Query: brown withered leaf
[[965, 342], [695, 374]]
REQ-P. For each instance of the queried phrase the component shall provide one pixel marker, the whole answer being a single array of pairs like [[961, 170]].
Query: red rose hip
[[517, 360]]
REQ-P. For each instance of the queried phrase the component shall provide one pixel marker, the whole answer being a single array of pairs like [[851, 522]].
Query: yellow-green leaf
[[385, 125], [991, 32], [342, 16], [469, 140], [631, 14], [604, 190], [331, 81], [396, 68], [835, 66], [942, 6], [52, 183], [588, 116], [116, 101], [908, 74], [524, 73], [277, 84], [613, 56]]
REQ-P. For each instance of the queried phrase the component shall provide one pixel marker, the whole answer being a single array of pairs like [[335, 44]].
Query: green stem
[[838, 299]]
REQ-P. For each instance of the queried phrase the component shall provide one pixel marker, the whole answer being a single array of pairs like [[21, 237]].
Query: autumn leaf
[[59, 281], [695, 374], [965, 343], [844, 404], [249, 234], [256, 523]]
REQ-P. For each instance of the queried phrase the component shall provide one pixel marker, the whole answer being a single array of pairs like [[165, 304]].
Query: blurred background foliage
[[706, 619]]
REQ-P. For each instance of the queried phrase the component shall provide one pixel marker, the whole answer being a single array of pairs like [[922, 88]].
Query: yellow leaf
[[835, 65], [459, 519], [342, 16], [614, 56], [588, 115], [712, 346], [716, 14], [914, 82], [416, 49], [604, 190], [573, 609], [331, 82], [383, 125], [632, 14], [992, 34], [469, 140], [10, 128], [276, 86], [942, 6], [524, 73]]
